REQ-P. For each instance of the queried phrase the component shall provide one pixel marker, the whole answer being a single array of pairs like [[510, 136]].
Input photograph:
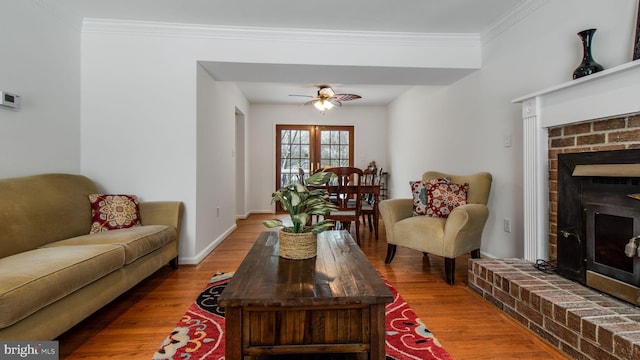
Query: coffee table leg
[[378, 329], [233, 334]]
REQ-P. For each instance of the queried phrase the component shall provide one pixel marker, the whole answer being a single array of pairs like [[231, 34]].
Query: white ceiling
[[261, 82]]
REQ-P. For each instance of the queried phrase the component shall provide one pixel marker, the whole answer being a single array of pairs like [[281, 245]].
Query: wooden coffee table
[[334, 303]]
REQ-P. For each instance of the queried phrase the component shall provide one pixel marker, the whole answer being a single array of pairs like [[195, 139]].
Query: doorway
[[241, 211], [303, 149]]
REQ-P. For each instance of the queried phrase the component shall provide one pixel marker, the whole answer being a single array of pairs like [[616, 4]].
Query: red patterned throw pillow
[[419, 192], [113, 211], [420, 195], [444, 196]]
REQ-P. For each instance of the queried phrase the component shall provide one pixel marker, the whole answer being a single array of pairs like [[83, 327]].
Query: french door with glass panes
[[303, 149]]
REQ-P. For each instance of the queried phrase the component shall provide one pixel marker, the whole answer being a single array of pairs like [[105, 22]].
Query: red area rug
[[200, 332]]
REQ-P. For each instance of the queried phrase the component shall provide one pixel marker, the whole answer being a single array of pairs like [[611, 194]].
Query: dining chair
[[369, 178], [345, 192]]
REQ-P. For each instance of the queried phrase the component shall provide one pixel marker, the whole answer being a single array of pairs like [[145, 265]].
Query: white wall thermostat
[[9, 100]]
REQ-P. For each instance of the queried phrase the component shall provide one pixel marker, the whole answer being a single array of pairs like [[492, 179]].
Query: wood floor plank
[[134, 325]]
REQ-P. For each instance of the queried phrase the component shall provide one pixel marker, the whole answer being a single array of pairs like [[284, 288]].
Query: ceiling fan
[[327, 98]]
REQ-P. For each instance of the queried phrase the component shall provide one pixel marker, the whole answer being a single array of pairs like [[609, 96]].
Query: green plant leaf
[[295, 199], [300, 202], [273, 223], [322, 226], [319, 178]]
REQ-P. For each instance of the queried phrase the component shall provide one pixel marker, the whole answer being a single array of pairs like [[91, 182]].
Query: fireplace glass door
[[608, 230]]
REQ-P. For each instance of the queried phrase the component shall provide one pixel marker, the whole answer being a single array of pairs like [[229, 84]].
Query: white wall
[[414, 130], [216, 162], [147, 130], [464, 125], [139, 121], [40, 61], [369, 129]]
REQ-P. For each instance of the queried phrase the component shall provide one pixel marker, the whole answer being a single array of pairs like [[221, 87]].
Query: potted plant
[[299, 241]]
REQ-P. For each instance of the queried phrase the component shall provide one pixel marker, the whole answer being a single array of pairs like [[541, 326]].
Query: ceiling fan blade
[[301, 95], [335, 101], [346, 97]]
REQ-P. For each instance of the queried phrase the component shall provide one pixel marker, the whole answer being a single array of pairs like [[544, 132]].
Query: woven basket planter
[[296, 246]]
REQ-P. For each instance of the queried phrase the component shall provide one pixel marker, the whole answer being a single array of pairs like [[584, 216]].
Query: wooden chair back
[[344, 190], [346, 187]]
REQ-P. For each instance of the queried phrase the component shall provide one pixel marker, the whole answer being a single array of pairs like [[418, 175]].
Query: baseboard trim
[[206, 251]]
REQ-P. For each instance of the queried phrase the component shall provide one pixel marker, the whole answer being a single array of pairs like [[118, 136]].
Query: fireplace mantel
[[609, 93]]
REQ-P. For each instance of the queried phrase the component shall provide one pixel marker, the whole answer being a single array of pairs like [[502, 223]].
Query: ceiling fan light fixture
[[326, 92], [322, 104]]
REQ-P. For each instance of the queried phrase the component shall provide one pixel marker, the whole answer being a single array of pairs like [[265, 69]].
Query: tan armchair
[[449, 237]]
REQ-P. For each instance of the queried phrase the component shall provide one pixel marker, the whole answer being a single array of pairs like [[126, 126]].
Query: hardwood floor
[[134, 325]]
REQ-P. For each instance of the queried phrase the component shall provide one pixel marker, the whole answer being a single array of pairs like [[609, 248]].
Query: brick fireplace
[[617, 133], [596, 113], [593, 113]]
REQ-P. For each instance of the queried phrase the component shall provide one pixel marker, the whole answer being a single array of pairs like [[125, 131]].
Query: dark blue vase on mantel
[[588, 65]]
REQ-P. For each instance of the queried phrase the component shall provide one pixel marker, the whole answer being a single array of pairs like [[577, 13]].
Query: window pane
[[344, 151], [304, 151], [344, 137], [286, 136], [295, 137], [325, 152], [325, 137], [294, 153]]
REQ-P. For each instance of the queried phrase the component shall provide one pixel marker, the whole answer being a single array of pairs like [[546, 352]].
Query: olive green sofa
[[53, 273]]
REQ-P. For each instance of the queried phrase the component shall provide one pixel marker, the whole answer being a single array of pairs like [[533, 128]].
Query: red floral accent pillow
[[420, 198], [419, 192], [443, 197], [113, 211]]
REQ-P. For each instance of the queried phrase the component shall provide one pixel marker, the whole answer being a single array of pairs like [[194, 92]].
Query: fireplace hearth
[[597, 216], [596, 113]]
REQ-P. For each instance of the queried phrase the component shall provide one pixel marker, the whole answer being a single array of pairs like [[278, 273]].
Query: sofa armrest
[[162, 213], [463, 229], [392, 211]]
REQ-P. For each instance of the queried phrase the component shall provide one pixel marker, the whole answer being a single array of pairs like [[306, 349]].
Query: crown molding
[[148, 28], [509, 20], [164, 29]]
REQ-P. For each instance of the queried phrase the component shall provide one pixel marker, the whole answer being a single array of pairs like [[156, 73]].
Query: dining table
[[364, 189]]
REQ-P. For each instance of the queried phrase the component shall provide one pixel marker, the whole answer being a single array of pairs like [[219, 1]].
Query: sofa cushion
[[136, 241], [413, 230], [35, 210], [444, 196], [34, 279], [113, 211]]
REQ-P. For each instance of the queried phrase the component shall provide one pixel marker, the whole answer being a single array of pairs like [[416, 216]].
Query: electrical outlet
[[507, 225]]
